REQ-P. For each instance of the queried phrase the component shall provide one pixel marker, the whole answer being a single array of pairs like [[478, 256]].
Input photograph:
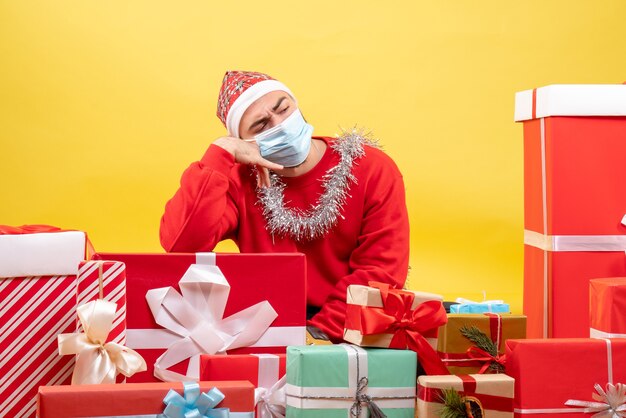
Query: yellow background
[[103, 104]]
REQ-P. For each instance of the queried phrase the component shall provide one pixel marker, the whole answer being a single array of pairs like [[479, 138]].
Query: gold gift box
[[452, 346]]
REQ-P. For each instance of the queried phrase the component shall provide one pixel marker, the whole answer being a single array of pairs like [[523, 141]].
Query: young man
[[271, 186]]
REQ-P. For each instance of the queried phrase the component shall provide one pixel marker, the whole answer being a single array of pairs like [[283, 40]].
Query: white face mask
[[287, 143]]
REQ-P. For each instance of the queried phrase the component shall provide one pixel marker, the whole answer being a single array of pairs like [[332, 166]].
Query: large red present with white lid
[[574, 200], [180, 306]]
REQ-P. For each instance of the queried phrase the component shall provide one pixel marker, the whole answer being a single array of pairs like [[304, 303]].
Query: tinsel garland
[[315, 222]]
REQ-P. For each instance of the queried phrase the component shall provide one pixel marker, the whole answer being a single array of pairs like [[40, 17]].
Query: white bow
[[196, 317], [271, 403], [97, 361], [609, 404]]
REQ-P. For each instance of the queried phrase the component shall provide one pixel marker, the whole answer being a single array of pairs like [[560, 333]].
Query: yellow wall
[[104, 103]]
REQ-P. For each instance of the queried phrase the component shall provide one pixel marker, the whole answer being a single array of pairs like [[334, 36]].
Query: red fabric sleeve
[[203, 210], [383, 250]]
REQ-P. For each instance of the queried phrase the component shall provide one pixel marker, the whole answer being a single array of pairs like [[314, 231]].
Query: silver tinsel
[[307, 225]]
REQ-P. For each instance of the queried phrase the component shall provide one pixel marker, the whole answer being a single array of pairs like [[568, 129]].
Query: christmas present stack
[[44, 283], [575, 232], [179, 307], [472, 346], [574, 200], [38, 282], [380, 316]]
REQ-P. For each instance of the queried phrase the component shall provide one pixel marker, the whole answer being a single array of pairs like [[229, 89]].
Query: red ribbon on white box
[[194, 320], [270, 398]]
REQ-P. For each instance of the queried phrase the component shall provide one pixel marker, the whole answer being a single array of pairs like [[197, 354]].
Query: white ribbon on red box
[[194, 321]]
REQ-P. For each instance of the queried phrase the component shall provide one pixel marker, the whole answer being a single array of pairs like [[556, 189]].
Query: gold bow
[[97, 361]]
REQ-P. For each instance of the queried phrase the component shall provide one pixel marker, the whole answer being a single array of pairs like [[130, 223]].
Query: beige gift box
[[492, 392], [359, 296]]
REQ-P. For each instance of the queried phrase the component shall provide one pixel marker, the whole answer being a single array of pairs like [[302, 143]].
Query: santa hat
[[239, 90]]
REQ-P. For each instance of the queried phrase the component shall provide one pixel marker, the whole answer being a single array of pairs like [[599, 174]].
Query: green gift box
[[345, 381]]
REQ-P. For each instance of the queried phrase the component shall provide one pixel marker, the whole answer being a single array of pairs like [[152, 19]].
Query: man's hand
[[248, 153]]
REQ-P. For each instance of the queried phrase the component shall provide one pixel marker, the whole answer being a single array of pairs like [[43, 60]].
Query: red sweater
[[217, 200]]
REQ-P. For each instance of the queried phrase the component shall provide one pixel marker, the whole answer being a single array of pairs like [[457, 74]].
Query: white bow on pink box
[[196, 318]]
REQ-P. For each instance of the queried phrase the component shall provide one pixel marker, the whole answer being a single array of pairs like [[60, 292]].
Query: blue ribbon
[[194, 404], [478, 308]]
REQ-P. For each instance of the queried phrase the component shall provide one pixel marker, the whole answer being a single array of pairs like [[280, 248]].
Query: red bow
[[484, 357], [407, 325]]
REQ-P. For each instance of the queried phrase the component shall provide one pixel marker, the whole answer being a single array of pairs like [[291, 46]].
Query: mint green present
[[343, 381]]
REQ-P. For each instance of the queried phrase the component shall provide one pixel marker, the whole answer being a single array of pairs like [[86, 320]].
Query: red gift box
[[607, 307], [549, 372], [133, 399], [253, 278], [34, 308], [262, 370], [573, 200]]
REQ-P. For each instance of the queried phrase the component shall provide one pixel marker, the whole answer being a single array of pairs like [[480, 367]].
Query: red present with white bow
[[607, 307], [38, 267], [574, 200], [183, 305], [265, 371], [380, 316], [567, 377]]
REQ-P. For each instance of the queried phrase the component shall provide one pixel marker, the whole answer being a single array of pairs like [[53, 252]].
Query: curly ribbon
[[271, 401], [196, 319], [194, 404], [361, 398], [609, 403], [97, 361], [406, 324]]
